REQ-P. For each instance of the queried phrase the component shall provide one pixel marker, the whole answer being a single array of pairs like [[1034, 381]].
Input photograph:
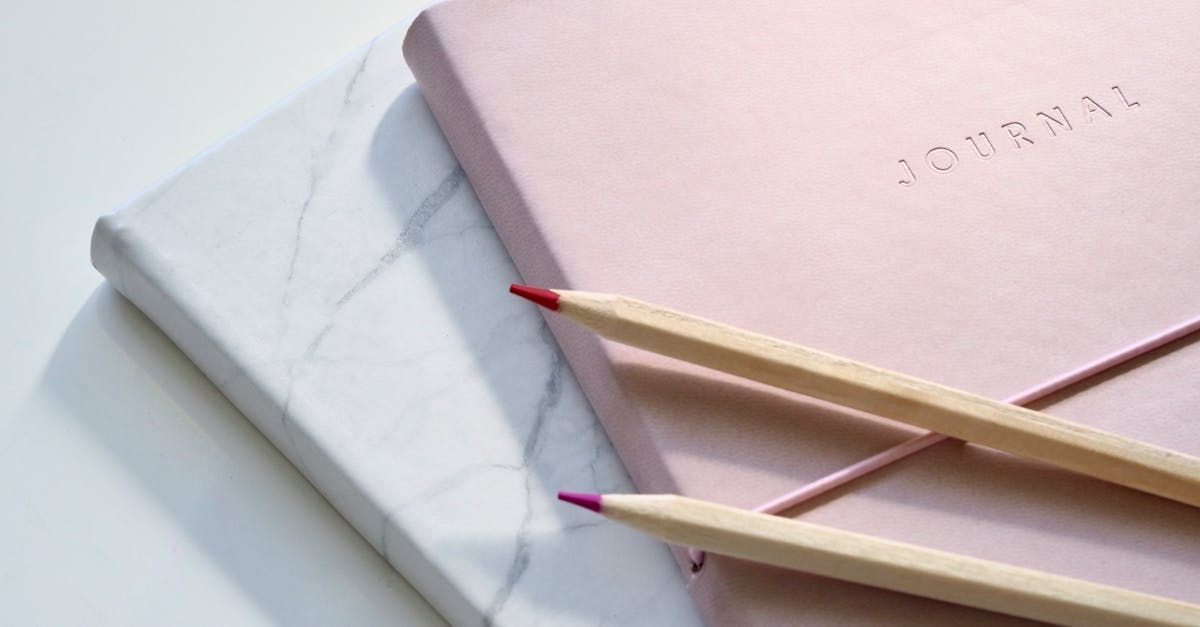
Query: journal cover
[[984, 194], [330, 270]]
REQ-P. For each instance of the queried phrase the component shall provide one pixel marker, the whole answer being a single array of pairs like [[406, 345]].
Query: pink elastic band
[[922, 442]]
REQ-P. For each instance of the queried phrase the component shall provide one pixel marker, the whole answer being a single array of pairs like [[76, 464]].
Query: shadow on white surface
[[237, 501]]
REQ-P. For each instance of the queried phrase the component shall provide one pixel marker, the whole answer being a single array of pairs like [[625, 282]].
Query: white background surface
[[133, 493]]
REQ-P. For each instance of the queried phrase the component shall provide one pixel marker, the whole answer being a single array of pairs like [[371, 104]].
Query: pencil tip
[[582, 499], [540, 295]]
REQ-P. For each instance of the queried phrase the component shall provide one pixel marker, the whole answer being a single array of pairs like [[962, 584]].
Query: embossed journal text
[[1054, 121]]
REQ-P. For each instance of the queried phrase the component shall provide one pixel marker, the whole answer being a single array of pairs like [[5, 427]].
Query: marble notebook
[[331, 271], [984, 194]]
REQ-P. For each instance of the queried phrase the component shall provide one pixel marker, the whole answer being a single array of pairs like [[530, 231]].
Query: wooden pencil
[[885, 564], [889, 394]]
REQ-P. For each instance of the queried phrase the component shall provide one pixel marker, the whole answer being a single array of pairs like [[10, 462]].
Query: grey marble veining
[[330, 269]]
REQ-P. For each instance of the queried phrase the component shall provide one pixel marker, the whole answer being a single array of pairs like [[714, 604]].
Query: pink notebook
[[984, 194]]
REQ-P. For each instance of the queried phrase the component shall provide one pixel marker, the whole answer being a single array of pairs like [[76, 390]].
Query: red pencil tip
[[582, 499], [539, 295]]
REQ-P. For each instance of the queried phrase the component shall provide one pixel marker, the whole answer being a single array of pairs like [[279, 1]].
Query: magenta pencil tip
[[582, 499], [540, 295]]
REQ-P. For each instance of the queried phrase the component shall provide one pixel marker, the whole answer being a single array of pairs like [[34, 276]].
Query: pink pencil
[[939, 408], [883, 563]]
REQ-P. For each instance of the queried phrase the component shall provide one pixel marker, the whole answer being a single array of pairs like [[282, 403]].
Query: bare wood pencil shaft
[[892, 565], [907, 399]]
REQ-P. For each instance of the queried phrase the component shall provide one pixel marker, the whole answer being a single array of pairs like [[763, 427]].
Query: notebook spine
[[448, 92], [129, 266], [141, 271]]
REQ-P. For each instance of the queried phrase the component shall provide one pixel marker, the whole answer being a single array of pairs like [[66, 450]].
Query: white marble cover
[[330, 269]]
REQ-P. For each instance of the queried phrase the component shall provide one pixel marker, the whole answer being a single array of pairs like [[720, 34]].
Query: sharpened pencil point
[[582, 499], [540, 295]]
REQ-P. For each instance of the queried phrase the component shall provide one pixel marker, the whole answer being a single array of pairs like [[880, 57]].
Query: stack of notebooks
[[982, 194]]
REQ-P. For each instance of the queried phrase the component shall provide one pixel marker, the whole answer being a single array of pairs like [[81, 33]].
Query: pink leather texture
[[984, 194]]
